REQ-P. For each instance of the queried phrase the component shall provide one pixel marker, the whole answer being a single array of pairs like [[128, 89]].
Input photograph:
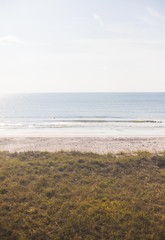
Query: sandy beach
[[83, 144]]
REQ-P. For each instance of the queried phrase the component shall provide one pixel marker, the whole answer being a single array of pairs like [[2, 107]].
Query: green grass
[[71, 195]]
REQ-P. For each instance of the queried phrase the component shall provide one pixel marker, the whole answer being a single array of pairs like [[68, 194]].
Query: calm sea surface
[[83, 114]]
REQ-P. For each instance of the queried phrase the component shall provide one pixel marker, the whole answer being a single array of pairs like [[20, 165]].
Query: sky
[[82, 46]]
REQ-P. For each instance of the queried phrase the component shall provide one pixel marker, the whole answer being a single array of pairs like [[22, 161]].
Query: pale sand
[[83, 144]]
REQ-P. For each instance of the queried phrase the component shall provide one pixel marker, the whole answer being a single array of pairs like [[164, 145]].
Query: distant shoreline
[[102, 145]]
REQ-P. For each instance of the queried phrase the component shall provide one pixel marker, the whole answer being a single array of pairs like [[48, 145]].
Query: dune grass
[[72, 195]]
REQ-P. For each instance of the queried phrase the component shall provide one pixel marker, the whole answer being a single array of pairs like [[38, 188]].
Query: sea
[[82, 114]]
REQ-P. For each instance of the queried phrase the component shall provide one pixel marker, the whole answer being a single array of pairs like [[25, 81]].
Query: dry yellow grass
[[72, 195]]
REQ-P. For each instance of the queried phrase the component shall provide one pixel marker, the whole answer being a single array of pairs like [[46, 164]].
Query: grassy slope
[[81, 196]]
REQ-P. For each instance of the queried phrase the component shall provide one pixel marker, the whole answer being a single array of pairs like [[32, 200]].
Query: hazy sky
[[82, 45]]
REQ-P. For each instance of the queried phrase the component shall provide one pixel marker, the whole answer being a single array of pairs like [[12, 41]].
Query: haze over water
[[96, 114]]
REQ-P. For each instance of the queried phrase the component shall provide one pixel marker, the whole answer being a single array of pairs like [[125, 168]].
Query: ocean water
[[83, 114]]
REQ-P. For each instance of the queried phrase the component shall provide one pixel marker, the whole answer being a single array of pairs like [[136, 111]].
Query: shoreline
[[96, 144]]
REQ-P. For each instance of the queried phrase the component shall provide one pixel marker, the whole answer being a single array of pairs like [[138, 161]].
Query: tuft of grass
[[73, 195]]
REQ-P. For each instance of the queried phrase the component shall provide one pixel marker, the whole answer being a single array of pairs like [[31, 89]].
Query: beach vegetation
[[73, 195]]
